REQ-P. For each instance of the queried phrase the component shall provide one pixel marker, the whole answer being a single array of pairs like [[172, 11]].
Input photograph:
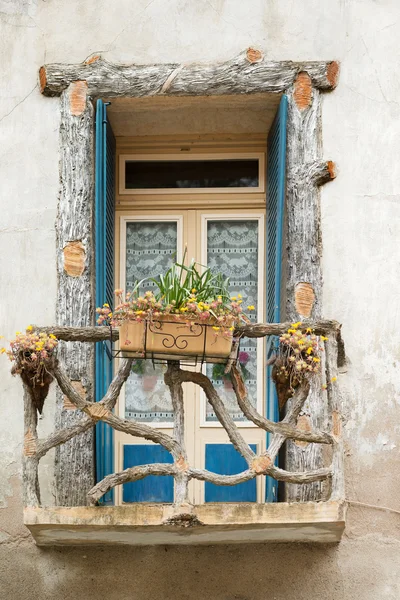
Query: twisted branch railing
[[257, 464]]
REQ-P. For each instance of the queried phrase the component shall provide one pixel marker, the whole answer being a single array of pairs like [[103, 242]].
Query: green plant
[[138, 366], [192, 293]]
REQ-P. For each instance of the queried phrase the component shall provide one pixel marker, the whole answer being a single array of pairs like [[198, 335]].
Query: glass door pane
[[233, 250], [151, 248]]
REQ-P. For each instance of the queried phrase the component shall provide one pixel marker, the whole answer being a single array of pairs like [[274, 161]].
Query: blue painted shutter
[[104, 240], [276, 171]]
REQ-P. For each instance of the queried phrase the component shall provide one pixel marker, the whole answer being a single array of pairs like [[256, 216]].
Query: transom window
[[199, 173]]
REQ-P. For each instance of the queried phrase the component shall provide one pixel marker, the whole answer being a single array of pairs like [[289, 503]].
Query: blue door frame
[[276, 186], [104, 242]]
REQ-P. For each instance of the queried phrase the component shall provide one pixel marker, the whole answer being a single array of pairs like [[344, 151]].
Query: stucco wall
[[361, 229]]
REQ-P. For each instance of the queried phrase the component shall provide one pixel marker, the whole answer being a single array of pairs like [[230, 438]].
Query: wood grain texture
[[335, 404], [132, 474], [74, 462], [286, 427], [182, 472], [181, 480], [30, 462], [97, 334], [306, 171], [236, 76]]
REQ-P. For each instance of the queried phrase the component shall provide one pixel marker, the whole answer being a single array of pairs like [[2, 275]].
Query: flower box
[[174, 339]]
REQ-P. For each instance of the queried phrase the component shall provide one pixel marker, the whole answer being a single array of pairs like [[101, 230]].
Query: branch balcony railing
[[257, 464]]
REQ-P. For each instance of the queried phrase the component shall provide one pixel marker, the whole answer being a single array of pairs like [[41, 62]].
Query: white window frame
[[178, 219], [240, 216]]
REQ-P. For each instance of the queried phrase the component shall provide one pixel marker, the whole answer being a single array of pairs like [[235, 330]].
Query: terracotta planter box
[[165, 339]]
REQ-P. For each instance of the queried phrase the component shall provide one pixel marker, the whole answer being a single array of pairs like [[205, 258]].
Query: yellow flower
[[29, 328], [3, 350], [194, 290], [308, 330], [323, 338], [316, 359], [109, 315], [240, 296], [309, 350], [17, 333], [233, 298], [206, 306], [106, 305], [251, 307], [289, 330], [215, 328], [296, 325], [183, 308], [333, 379], [53, 337]]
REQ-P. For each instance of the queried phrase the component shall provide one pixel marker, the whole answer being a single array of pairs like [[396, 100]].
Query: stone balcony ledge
[[218, 523]]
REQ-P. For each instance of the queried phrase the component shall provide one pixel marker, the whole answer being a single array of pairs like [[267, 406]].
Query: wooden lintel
[[236, 76]]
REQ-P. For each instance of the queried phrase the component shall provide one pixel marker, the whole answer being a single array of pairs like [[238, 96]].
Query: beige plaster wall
[[361, 233]]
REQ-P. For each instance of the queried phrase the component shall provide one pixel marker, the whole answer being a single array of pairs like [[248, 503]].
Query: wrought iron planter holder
[[161, 340]]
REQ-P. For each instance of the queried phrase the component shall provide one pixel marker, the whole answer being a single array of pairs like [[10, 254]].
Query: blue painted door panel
[[155, 488], [276, 185], [225, 460], [104, 241]]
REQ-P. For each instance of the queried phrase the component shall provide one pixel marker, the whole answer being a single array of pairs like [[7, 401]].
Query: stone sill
[[142, 524]]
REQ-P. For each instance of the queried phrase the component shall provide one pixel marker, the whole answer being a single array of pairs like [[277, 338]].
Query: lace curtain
[[232, 249], [150, 250]]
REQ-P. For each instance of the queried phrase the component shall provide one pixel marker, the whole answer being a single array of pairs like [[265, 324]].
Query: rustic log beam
[[221, 412], [282, 428], [74, 461], [181, 480], [294, 409], [30, 461], [80, 334], [99, 411], [217, 479], [114, 389], [132, 474], [335, 412], [98, 334], [305, 172], [61, 436], [162, 469], [300, 477], [240, 75]]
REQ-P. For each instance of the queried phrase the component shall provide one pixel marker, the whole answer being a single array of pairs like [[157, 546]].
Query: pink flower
[[243, 357]]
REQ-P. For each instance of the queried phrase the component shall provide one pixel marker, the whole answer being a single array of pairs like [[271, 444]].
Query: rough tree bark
[[306, 171], [244, 74], [258, 465], [74, 463]]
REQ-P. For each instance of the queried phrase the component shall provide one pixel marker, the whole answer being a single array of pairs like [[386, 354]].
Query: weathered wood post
[[74, 463], [306, 171]]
